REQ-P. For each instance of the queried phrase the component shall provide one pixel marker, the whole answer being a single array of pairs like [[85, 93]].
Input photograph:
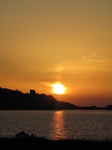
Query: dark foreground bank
[[35, 143]]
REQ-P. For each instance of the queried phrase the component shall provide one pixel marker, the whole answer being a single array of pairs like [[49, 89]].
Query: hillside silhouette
[[16, 100]]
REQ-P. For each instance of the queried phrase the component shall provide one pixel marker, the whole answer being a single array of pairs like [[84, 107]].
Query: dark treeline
[[16, 100]]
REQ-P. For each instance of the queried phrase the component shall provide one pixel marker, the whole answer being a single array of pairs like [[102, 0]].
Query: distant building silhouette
[[32, 92]]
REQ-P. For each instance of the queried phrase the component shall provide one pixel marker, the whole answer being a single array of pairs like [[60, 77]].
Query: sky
[[43, 42]]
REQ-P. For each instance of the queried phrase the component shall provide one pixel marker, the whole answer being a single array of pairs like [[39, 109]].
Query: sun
[[58, 88]]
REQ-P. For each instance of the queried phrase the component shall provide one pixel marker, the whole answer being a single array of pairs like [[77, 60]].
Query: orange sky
[[68, 41]]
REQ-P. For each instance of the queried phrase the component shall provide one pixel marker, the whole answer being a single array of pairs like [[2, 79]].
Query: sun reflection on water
[[58, 126]]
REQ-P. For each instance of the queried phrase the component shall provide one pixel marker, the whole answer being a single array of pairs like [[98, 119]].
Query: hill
[[16, 100]]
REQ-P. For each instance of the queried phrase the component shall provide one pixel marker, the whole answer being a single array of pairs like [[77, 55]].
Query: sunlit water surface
[[72, 124]]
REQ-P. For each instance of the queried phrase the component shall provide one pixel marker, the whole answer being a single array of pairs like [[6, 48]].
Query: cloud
[[63, 65], [90, 57], [94, 58], [91, 62]]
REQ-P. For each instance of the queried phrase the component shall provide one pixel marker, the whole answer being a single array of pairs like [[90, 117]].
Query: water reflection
[[58, 125]]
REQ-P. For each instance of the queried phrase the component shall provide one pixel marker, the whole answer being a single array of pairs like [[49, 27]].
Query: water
[[72, 124]]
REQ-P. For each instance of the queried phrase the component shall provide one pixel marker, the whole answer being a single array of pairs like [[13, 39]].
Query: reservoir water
[[70, 124]]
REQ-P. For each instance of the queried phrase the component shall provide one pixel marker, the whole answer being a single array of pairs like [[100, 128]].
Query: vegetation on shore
[[24, 141]]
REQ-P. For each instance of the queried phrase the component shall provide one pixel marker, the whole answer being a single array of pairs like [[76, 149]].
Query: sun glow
[[58, 88]]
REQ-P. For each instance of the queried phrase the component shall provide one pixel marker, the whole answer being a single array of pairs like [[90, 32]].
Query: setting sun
[[58, 88]]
